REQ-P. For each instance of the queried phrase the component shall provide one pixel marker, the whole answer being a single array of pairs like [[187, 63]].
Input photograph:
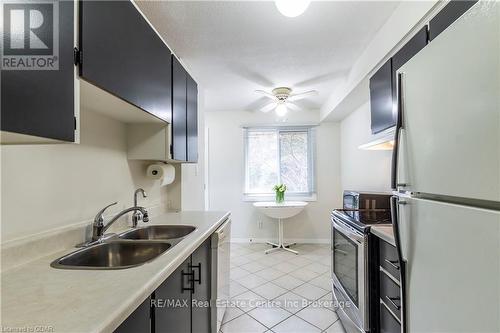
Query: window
[[279, 155]]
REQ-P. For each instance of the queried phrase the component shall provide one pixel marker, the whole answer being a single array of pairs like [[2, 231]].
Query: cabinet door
[[382, 115], [449, 14], [39, 101], [179, 114], [388, 323], [192, 120], [172, 310], [138, 321], [201, 263], [123, 55]]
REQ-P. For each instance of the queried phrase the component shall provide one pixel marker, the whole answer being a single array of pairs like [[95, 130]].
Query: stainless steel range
[[350, 255]]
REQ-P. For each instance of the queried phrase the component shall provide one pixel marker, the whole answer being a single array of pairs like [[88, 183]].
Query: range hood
[[380, 141]]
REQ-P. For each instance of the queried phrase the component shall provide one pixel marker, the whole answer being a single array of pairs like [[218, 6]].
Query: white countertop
[[36, 294], [384, 232]]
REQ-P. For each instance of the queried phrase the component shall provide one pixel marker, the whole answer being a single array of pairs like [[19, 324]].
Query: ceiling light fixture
[[281, 110], [292, 8]]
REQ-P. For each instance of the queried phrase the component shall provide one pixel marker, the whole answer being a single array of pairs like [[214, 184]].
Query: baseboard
[[288, 240]]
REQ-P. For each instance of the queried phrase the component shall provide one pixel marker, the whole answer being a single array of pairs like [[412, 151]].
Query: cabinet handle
[[392, 299], [199, 272], [392, 263], [190, 276]]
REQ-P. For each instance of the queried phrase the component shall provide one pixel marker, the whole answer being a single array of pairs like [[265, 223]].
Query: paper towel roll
[[163, 172]]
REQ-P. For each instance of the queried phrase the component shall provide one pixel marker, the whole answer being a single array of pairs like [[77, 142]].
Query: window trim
[[311, 195]]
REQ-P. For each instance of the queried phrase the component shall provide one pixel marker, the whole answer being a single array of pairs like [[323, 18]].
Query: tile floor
[[280, 292]]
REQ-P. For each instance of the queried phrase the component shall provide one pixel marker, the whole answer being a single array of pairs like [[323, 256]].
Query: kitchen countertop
[[384, 232], [36, 295]]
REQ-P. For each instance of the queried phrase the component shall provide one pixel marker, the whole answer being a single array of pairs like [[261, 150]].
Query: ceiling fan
[[283, 99]]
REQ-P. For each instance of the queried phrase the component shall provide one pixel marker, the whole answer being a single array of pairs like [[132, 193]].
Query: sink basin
[[158, 232], [280, 210], [112, 255]]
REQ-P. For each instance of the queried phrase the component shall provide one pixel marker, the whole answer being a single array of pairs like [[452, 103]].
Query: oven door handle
[[349, 233]]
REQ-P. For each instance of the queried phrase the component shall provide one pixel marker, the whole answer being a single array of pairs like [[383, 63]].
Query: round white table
[[280, 211]]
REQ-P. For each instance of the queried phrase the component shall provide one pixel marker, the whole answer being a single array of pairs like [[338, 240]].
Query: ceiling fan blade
[[296, 97], [267, 94], [292, 106], [268, 107]]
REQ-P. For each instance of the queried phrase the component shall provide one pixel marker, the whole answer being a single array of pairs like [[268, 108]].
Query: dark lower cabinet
[[183, 300], [181, 304], [139, 321], [386, 301], [122, 54], [39, 101], [200, 261], [172, 303], [388, 324]]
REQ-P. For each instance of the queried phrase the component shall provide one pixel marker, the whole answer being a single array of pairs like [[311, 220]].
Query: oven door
[[349, 279]]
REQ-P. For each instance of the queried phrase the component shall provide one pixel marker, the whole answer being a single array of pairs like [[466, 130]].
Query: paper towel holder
[[161, 171]]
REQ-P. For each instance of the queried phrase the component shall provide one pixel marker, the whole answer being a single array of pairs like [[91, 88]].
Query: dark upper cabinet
[[179, 111], [139, 321], [410, 49], [201, 261], [449, 14], [122, 54], [383, 83], [40, 101], [192, 120], [382, 115], [184, 114]]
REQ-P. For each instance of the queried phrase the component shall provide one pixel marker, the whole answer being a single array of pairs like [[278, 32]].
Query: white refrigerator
[[446, 176]]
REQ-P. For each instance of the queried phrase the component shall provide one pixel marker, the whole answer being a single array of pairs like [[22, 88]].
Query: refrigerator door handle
[[395, 202], [399, 125]]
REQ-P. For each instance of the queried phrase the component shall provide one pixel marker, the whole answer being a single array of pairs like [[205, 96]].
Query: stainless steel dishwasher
[[220, 273]]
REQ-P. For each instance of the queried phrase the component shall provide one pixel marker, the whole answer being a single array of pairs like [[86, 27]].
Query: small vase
[[280, 197]]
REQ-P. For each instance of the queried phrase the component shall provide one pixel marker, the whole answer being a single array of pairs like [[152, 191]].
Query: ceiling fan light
[[292, 8], [281, 110]]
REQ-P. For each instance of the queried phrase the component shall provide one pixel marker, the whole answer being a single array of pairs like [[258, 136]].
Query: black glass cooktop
[[363, 219]]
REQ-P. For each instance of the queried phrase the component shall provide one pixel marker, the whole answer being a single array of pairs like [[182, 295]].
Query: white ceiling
[[235, 47]]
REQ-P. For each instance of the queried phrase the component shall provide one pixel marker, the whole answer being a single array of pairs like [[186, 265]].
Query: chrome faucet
[[99, 228], [137, 216]]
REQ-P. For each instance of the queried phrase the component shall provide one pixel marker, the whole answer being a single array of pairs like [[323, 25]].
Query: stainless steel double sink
[[128, 249]]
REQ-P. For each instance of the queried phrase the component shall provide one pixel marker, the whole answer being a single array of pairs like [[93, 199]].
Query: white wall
[[226, 177], [367, 170], [49, 186]]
